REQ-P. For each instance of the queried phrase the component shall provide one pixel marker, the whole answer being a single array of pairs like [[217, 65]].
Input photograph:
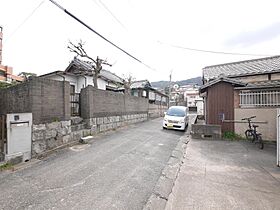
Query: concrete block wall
[[157, 110], [15, 99], [100, 103], [47, 100]]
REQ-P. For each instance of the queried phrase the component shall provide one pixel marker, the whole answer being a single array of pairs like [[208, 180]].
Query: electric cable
[[26, 19], [212, 51], [98, 34]]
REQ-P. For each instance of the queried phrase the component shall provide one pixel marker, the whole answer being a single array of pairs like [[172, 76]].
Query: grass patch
[[232, 136], [6, 166]]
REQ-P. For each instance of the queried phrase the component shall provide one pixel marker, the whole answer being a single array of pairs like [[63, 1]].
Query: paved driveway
[[227, 175], [116, 171]]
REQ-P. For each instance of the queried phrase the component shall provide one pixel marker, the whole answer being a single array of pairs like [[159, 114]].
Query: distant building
[[191, 95], [6, 72], [143, 88]]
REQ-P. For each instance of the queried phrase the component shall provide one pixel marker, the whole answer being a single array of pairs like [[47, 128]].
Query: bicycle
[[257, 137], [249, 132], [252, 134]]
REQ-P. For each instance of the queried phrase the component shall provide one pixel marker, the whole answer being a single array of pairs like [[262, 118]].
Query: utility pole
[[169, 92]]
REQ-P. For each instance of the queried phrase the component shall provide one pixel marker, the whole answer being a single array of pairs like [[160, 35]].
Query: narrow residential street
[[117, 170]]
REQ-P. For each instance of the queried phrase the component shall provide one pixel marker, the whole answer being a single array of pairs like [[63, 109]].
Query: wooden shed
[[219, 101]]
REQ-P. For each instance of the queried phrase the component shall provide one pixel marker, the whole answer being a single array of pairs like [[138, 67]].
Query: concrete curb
[[164, 186]]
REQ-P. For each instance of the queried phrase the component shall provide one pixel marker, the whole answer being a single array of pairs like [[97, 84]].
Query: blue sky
[[147, 29]]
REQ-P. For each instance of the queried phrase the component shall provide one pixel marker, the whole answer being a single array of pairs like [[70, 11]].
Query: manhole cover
[[78, 148]]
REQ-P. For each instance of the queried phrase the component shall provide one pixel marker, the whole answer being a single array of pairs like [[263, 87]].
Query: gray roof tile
[[85, 65], [241, 68]]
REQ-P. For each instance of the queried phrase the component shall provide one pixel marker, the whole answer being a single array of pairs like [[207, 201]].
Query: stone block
[[76, 135], [39, 147], [53, 142], [110, 119], [66, 139], [39, 127], [53, 125], [93, 121], [65, 123], [110, 126], [86, 132], [164, 187], [105, 120], [93, 129], [62, 131], [99, 120], [114, 125], [38, 135], [50, 134], [102, 128]]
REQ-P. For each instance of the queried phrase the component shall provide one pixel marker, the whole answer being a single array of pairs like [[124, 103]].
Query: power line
[[26, 19], [91, 29], [111, 13], [212, 51]]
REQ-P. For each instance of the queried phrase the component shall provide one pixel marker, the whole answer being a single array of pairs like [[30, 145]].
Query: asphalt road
[[117, 170]]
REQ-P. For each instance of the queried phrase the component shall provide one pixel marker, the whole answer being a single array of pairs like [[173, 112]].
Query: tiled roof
[[84, 65], [222, 79], [241, 68], [263, 84], [140, 84]]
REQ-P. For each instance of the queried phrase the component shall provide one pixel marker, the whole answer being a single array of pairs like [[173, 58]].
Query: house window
[[259, 98], [144, 93]]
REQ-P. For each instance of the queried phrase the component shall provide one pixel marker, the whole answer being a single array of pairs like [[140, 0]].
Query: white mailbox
[[19, 130]]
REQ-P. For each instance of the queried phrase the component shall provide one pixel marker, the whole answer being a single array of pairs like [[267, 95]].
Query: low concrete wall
[[206, 131], [268, 130], [156, 110], [52, 135], [101, 103]]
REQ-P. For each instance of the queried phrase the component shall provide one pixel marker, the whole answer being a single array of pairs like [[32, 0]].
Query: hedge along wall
[[48, 100], [101, 103]]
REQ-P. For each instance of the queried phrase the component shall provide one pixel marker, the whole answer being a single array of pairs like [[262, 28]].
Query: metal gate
[[75, 104], [3, 136], [278, 137]]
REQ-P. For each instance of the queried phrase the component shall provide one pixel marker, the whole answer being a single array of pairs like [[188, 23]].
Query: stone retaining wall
[[52, 135]]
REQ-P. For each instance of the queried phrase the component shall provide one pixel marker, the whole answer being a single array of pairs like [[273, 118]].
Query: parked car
[[176, 117]]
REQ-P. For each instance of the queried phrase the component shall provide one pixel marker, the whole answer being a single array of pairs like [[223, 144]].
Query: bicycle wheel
[[249, 135], [260, 141]]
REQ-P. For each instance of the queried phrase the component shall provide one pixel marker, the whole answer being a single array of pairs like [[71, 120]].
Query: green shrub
[[231, 136], [6, 166]]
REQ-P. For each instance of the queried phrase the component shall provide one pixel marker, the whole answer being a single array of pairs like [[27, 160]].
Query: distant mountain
[[163, 84]]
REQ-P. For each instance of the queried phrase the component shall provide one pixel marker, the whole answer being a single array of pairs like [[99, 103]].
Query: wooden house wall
[[220, 100]]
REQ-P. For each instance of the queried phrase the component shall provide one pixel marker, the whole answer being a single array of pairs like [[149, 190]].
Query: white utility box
[[19, 131]]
